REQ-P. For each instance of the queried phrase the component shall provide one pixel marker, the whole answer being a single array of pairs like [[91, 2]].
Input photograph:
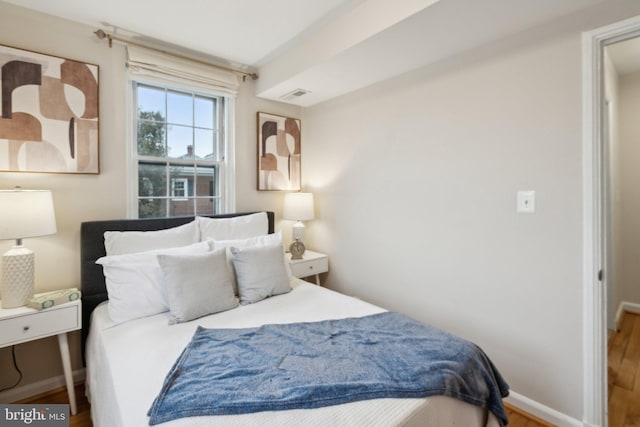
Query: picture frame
[[279, 153], [49, 118]]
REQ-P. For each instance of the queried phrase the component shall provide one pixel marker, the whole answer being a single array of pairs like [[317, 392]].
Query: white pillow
[[240, 227], [260, 272], [128, 242], [135, 283], [266, 240], [197, 285]]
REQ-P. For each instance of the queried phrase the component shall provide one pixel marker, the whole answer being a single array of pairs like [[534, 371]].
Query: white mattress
[[127, 363]]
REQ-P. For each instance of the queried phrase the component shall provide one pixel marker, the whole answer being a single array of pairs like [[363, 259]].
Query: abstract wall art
[[49, 120], [278, 152]]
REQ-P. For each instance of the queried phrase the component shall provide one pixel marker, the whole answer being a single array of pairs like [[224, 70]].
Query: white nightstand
[[312, 263], [23, 324]]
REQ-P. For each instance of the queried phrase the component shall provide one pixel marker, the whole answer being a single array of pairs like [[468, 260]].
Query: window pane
[[206, 181], [204, 109], [179, 108], [152, 208], [205, 144], [151, 102], [180, 142], [180, 207], [205, 206], [152, 180], [151, 139]]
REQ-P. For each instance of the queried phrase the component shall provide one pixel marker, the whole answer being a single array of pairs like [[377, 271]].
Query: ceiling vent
[[294, 94]]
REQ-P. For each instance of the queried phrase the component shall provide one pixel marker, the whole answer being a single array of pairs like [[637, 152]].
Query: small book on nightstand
[[49, 299]]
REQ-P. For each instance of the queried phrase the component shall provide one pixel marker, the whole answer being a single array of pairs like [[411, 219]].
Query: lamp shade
[[26, 213], [298, 206]]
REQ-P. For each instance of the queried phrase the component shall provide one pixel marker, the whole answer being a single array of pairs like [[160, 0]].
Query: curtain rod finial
[[102, 35]]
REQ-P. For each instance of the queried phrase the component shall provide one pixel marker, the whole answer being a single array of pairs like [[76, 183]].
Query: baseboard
[[631, 307], [541, 411], [33, 389]]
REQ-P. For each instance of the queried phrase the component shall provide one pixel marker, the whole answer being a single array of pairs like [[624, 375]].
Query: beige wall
[[615, 197], [416, 182], [80, 198], [76, 197], [629, 134]]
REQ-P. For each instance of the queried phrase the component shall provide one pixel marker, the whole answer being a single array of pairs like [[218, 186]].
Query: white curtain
[[149, 63]]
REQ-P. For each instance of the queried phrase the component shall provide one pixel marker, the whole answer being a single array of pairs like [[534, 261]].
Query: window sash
[[223, 198]]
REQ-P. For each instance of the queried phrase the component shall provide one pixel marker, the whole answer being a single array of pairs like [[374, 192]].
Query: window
[[179, 155], [179, 188]]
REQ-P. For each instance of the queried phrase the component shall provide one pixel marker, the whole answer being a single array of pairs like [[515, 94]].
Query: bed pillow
[[240, 227], [260, 272], [128, 242], [266, 240], [135, 284], [197, 285]]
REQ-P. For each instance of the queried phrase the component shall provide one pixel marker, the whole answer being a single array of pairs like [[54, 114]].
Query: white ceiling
[[328, 47], [242, 31]]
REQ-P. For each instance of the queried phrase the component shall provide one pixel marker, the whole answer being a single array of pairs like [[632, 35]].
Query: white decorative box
[[49, 299]]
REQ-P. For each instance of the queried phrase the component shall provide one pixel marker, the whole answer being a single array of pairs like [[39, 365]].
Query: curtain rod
[[102, 35]]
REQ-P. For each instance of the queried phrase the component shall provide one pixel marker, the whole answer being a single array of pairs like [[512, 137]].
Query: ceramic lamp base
[[297, 231], [17, 277]]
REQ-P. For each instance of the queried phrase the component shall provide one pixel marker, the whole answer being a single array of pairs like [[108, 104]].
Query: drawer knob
[[25, 328]]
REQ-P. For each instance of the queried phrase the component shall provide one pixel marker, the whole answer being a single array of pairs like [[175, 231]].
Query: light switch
[[526, 202]]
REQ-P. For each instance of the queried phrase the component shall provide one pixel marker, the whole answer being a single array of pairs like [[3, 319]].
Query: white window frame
[[185, 189], [226, 172]]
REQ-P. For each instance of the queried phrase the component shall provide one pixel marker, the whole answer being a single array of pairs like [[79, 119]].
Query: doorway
[[621, 199], [598, 233]]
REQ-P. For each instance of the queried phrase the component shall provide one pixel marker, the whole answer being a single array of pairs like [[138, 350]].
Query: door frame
[[595, 406]]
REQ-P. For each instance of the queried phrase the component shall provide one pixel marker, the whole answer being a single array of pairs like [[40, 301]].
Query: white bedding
[[127, 363]]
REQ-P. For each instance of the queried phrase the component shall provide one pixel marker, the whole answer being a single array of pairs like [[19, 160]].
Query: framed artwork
[[278, 152], [49, 119]]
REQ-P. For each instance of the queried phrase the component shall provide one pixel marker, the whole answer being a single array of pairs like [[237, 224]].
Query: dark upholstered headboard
[[94, 289]]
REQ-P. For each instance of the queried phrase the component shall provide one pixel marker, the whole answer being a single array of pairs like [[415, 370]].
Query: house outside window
[[179, 159]]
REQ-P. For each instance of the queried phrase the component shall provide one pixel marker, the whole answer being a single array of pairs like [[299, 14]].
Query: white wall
[[629, 134], [614, 204], [80, 198], [416, 182]]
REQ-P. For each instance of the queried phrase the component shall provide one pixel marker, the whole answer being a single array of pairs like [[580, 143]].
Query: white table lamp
[[298, 207], [23, 214]]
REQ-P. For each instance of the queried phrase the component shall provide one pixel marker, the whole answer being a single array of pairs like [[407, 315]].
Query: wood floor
[[517, 418], [81, 419], [624, 373]]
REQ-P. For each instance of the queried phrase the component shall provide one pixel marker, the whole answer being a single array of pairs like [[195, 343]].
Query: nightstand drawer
[[308, 268], [39, 324]]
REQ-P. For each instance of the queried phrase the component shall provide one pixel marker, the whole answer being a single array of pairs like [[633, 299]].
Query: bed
[[128, 361]]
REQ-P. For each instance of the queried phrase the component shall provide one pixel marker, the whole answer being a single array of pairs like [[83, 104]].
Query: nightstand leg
[[63, 342], [318, 279]]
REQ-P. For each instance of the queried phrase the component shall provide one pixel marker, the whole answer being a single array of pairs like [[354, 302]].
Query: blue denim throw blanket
[[316, 364]]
